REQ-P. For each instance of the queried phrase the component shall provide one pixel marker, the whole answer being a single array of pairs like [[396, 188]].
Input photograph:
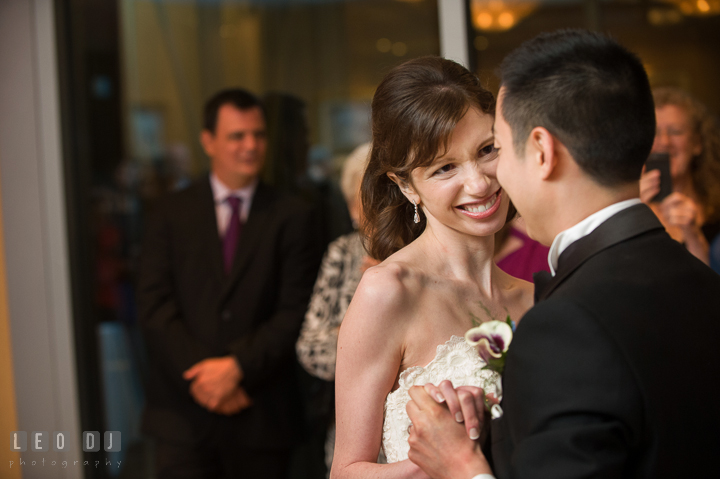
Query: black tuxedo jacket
[[613, 373], [191, 310]]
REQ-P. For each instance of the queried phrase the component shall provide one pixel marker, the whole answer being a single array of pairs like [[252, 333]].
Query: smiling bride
[[433, 204]]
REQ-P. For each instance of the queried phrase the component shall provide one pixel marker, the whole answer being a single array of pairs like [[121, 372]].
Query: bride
[[432, 205]]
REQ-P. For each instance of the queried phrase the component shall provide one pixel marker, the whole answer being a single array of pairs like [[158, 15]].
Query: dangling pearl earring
[[416, 218]]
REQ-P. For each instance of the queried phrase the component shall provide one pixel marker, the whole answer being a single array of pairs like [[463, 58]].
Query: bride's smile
[[482, 209], [460, 189]]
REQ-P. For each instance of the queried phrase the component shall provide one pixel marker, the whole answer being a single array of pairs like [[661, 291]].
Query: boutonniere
[[492, 340]]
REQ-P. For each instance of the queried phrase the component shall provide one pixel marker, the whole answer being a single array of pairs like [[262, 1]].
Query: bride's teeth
[[476, 209], [482, 208]]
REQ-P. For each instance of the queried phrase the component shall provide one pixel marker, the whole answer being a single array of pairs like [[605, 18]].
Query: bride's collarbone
[[444, 314], [462, 295], [436, 322]]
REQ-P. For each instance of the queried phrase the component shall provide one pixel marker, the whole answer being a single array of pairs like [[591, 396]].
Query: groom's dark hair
[[589, 92]]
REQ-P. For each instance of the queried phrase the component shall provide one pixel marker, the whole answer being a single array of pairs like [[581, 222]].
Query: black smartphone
[[660, 161]]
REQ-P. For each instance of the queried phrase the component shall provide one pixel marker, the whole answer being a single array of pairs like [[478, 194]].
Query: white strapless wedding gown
[[455, 360]]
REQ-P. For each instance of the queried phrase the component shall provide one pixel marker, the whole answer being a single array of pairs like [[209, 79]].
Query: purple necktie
[[232, 234]]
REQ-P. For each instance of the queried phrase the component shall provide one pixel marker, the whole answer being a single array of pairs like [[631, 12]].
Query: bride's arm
[[370, 348]]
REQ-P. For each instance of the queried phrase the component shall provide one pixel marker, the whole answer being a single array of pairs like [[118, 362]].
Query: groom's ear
[[542, 148], [405, 187]]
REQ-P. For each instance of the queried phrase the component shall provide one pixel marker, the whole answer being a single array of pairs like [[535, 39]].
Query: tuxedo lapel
[[626, 224], [208, 226], [252, 233]]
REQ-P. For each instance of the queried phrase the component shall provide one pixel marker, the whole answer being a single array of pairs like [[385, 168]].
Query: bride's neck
[[462, 256]]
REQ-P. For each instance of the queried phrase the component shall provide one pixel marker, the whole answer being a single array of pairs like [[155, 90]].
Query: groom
[[614, 372]]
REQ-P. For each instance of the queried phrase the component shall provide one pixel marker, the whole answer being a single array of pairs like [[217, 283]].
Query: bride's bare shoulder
[[388, 282], [385, 293]]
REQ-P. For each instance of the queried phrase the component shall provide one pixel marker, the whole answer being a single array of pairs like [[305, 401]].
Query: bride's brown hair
[[414, 111]]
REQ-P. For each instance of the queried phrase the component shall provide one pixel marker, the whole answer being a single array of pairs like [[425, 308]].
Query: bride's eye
[[488, 151], [444, 169]]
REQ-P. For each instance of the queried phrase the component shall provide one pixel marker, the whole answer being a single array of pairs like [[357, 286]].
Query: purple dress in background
[[530, 258]]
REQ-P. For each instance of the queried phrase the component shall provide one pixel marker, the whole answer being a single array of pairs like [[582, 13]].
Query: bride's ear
[[405, 187]]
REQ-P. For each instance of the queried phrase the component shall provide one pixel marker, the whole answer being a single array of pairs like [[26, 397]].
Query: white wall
[[453, 30], [34, 223]]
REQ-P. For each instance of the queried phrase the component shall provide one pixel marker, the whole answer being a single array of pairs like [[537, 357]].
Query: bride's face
[[460, 189]]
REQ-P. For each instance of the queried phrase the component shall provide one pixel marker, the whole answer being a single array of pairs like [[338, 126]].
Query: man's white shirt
[[584, 228]]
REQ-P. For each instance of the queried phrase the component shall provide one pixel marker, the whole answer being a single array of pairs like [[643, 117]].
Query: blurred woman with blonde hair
[[690, 135]]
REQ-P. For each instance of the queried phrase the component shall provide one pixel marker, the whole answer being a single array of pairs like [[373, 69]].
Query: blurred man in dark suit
[[227, 269]]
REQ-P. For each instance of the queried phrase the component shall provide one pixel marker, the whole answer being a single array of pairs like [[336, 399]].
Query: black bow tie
[[542, 280]]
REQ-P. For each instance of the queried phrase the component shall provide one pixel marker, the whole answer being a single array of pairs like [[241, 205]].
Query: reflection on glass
[[499, 15], [329, 54], [316, 63], [676, 39]]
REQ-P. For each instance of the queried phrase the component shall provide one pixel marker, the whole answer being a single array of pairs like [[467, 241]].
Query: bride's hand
[[465, 404]]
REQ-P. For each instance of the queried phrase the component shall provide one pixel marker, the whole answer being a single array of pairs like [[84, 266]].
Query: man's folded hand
[[233, 404], [213, 380]]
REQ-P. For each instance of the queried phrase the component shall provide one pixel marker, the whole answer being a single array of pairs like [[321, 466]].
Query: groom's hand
[[439, 445]]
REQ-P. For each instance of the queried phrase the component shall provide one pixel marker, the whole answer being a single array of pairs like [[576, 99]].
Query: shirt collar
[[221, 192], [582, 229]]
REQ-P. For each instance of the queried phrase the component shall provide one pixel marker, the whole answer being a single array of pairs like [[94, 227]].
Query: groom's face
[[513, 170]]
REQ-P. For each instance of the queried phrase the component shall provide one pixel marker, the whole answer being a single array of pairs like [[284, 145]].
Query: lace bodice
[[455, 360]]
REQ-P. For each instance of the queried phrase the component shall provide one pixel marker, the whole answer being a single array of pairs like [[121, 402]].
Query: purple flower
[[492, 340]]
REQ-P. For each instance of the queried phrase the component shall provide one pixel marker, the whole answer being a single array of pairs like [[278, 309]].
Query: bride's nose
[[477, 183]]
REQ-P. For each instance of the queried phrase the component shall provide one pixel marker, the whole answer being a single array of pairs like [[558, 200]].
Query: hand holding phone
[[660, 162]]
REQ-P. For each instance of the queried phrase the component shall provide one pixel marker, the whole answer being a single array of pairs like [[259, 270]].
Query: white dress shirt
[[584, 228], [223, 210]]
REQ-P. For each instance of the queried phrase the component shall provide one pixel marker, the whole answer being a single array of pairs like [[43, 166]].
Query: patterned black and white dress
[[335, 286]]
